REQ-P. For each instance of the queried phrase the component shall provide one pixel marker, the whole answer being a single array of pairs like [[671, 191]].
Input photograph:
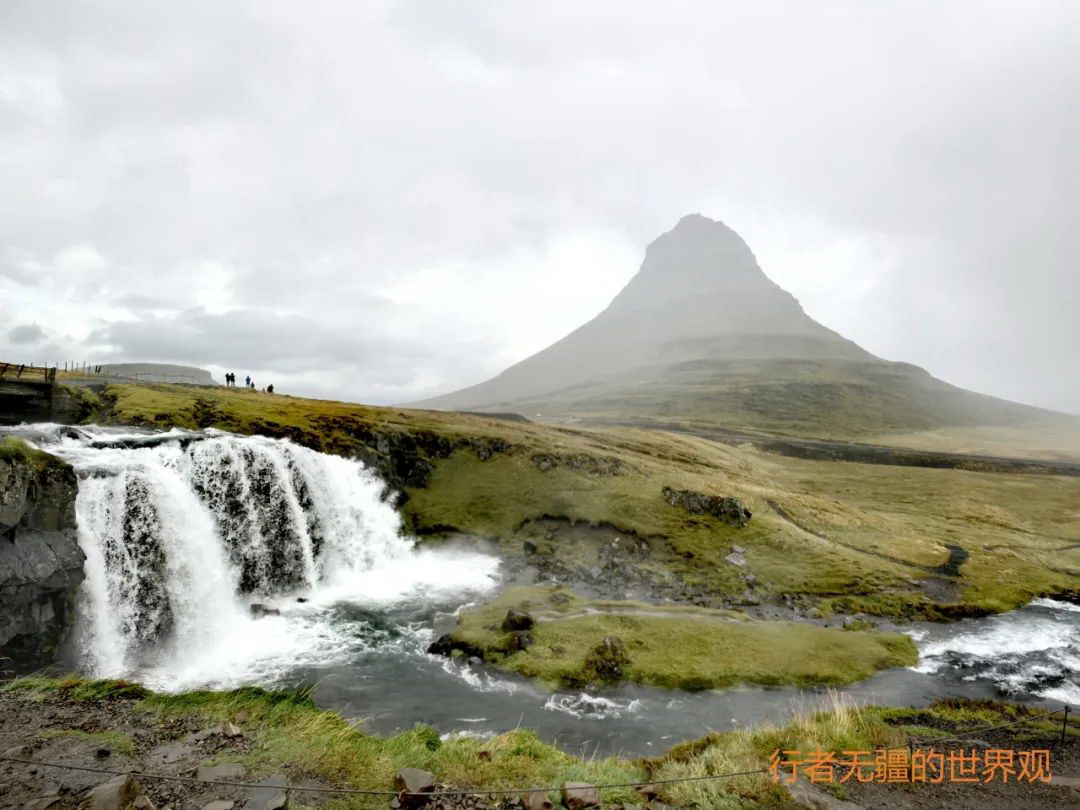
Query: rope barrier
[[478, 792], [363, 792]]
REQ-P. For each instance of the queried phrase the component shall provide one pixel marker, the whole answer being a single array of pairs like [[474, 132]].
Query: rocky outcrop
[[517, 620], [41, 564], [608, 660], [729, 510], [34, 401], [579, 462]]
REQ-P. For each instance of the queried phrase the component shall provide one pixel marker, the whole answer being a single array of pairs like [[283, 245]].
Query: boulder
[[143, 803], [41, 564], [536, 801], [115, 794], [412, 784], [231, 730], [730, 510], [414, 780], [517, 620], [270, 794], [647, 792], [735, 558], [448, 645], [578, 795], [518, 641], [608, 660], [225, 772], [259, 610]]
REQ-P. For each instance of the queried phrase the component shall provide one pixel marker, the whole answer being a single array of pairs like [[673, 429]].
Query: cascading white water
[[184, 532]]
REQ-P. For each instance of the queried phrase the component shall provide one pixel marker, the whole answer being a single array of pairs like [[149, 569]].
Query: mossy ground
[[292, 735], [688, 649]]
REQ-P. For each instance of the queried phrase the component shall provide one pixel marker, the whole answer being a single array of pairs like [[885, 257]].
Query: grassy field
[[825, 537], [683, 649], [1051, 442], [824, 399], [846, 536], [290, 734]]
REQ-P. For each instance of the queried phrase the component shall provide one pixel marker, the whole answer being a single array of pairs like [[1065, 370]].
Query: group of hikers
[[230, 382]]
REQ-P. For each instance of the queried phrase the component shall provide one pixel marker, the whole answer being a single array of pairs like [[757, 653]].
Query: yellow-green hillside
[[835, 535]]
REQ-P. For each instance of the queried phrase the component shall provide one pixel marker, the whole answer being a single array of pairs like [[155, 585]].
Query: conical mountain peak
[[700, 334], [699, 295], [698, 257]]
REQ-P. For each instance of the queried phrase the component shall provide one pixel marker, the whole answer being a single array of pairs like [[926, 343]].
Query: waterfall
[[185, 531]]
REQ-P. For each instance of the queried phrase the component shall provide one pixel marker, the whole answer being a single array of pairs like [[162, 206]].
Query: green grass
[[15, 450], [288, 729], [850, 537], [691, 649], [75, 688], [841, 399], [289, 733]]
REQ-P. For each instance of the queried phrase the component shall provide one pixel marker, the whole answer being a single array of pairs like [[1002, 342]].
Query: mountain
[[702, 336]]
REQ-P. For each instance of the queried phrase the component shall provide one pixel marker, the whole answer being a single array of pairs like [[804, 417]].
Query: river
[[184, 532]]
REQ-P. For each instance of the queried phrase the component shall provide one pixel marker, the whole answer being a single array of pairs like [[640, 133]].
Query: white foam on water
[[184, 531], [1055, 604], [583, 705], [479, 679], [1034, 650]]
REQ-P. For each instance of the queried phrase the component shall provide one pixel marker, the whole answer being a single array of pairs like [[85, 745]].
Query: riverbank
[[250, 735], [565, 640]]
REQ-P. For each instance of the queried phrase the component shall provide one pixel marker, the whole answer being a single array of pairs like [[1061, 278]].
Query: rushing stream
[[215, 560]]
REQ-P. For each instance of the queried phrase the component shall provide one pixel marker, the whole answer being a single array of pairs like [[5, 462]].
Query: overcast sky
[[384, 200]]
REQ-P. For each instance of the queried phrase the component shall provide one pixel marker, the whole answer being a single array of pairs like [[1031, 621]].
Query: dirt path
[[996, 795]]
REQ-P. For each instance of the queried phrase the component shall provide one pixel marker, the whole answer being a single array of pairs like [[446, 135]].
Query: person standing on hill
[[270, 388], [247, 381]]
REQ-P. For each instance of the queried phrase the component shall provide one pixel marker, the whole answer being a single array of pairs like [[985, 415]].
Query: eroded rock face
[[41, 564], [729, 510]]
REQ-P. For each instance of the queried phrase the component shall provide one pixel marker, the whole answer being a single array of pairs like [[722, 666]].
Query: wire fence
[[25, 371], [46, 373], [651, 784]]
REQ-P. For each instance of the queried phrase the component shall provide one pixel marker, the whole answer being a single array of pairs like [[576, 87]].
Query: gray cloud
[[26, 334], [412, 196]]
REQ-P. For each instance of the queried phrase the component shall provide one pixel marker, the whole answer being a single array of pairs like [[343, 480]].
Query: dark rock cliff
[[41, 564]]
